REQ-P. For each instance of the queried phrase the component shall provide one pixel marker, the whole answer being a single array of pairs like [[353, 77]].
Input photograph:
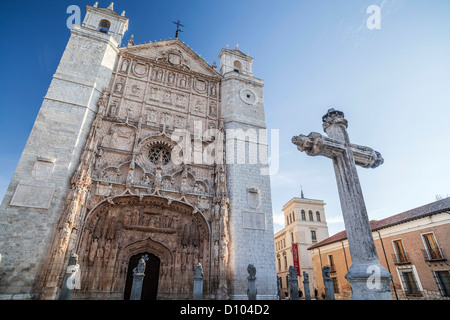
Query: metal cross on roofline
[[178, 28]]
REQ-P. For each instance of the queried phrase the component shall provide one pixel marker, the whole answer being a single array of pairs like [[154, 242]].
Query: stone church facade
[[135, 151]]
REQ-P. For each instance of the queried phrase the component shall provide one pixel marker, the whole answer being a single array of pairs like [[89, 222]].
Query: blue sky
[[393, 84]]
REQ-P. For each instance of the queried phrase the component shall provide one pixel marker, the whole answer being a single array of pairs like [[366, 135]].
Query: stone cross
[[293, 283], [306, 286], [138, 279], [71, 278], [198, 282], [251, 292], [367, 277], [329, 289]]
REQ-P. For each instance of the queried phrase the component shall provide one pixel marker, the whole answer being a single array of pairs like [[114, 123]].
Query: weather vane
[[178, 28]]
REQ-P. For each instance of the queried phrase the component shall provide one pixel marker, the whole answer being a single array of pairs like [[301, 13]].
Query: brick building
[[413, 246]]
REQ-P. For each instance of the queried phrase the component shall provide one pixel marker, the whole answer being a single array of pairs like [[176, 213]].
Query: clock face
[[249, 96]]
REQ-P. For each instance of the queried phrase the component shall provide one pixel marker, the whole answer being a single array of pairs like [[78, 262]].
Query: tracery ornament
[[159, 154]]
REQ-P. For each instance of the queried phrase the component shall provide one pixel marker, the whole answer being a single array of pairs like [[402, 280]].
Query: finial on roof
[[301, 194], [247, 52], [226, 47], [237, 46], [111, 6], [214, 64], [131, 41], [96, 5], [123, 13]]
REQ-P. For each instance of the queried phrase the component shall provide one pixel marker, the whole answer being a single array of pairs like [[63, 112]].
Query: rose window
[[159, 154]]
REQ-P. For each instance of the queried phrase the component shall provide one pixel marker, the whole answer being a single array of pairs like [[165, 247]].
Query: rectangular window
[[331, 261], [432, 247], [443, 281], [400, 251], [292, 237], [313, 235], [410, 283], [335, 285]]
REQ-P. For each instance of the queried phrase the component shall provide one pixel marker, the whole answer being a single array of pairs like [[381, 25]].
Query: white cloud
[[335, 219]]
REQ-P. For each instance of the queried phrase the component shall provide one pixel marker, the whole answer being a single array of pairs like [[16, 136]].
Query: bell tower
[[250, 216], [107, 21], [235, 60], [42, 178]]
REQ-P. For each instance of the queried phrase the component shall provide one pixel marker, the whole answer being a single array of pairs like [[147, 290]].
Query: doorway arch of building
[[114, 231]]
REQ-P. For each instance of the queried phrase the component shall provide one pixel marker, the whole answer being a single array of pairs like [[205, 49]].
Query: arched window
[[303, 215], [104, 26], [318, 216], [237, 66], [310, 215]]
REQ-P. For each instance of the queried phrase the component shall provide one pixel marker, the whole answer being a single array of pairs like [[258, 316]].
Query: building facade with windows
[[413, 246], [305, 225]]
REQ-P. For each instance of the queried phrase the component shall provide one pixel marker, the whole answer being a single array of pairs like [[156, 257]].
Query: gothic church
[[129, 157]]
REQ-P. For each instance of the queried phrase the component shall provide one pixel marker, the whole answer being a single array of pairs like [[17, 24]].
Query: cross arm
[[316, 144]]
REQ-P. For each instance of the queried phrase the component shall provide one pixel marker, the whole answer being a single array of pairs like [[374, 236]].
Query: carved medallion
[[140, 69], [174, 58]]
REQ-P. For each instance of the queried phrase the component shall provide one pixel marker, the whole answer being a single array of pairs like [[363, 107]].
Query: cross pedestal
[[368, 278]]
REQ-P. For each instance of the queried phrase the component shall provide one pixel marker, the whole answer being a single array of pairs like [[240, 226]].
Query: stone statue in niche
[[213, 109], [125, 64], [171, 78], [119, 86], [167, 185], [113, 108], [158, 175], [159, 75], [182, 82], [64, 237], [224, 250]]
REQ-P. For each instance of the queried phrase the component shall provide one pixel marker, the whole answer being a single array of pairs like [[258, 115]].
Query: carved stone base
[[369, 281]]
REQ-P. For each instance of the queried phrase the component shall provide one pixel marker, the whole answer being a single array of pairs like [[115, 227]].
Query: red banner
[[296, 259]]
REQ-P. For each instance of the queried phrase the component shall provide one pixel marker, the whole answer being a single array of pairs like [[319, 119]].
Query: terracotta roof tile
[[416, 213]]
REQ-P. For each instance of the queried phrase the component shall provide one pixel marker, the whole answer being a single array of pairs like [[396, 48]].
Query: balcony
[[401, 259], [332, 269], [433, 255]]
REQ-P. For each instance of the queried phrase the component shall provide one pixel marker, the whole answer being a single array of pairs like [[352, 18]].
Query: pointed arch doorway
[[151, 279]]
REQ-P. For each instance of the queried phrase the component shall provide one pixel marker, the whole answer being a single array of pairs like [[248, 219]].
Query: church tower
[[250, 217], [33, 202]]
